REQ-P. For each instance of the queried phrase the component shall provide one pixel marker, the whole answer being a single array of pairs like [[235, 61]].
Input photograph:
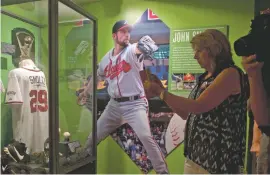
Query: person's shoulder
[[238, 70], [242, 76], [107, 55], [232, 70], [15, 72], [229, 73], [234, 73]]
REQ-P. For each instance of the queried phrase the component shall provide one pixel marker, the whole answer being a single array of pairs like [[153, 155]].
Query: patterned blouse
[[216, 140]]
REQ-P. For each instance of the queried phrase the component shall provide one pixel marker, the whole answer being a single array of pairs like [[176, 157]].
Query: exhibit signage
[[182, 62]]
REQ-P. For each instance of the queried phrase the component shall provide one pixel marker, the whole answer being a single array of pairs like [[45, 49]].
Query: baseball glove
[[147, 46], [147, 78]]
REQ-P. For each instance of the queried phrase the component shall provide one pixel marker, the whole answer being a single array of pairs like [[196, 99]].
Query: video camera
[[257, 41]]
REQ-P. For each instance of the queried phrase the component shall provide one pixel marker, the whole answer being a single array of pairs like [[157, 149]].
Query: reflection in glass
[[24, 89], [75, 69]]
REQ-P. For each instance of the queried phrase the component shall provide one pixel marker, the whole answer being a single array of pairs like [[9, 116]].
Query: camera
[[257, 41]]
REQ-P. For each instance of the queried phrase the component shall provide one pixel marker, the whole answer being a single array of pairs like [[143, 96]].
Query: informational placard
[[184, 69]]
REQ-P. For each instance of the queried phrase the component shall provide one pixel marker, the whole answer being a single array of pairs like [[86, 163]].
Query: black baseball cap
[[120, 25]]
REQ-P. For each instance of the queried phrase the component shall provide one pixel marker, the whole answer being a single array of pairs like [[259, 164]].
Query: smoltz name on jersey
[[38, 80], [113, 71]]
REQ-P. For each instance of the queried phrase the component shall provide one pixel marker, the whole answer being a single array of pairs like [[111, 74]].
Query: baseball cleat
[[17, 152]]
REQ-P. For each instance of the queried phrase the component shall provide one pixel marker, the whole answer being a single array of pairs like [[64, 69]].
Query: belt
[[124, 99]]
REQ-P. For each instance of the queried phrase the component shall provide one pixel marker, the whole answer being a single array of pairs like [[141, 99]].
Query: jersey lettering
[[111, 71], [37, 80], [122, 73], [11, 93], [38, 101]]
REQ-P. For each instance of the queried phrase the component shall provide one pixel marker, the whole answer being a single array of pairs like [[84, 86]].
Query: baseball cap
[[120, 25]]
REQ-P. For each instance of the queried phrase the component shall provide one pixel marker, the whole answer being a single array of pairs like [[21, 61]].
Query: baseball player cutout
[[121, 67], [178, 82]]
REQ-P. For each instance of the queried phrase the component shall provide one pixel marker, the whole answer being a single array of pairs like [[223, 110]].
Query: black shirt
[[216, 140], [265, 129]]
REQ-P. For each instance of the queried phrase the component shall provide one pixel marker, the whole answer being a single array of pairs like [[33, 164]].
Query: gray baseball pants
[[135, 114]]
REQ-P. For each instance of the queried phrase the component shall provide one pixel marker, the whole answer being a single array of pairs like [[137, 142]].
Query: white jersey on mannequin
[[27, 95]]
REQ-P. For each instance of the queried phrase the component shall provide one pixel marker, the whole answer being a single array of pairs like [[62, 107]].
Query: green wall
[[32, 14], [176, 14]]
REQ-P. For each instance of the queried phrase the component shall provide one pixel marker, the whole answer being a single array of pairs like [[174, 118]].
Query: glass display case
[[48, 55]]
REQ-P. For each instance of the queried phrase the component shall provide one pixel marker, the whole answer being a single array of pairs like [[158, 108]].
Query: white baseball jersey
[[27, 93], [122, 73]]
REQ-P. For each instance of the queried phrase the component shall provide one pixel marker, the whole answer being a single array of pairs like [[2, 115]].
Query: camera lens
[[244, 46]]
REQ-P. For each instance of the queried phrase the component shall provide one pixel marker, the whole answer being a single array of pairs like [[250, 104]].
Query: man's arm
[[259, 102], [220, 89]]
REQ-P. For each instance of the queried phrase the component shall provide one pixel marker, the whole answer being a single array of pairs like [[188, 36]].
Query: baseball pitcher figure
[[121, 67]]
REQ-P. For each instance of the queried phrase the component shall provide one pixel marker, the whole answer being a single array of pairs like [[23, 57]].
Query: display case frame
[[53, 74], [53, 83]]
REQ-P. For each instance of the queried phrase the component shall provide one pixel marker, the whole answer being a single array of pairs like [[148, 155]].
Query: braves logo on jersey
[[112, 71]]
